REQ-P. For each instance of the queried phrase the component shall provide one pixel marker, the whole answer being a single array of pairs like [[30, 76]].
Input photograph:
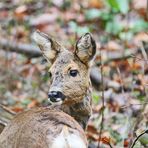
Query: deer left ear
[[85, 48], [49, 47]]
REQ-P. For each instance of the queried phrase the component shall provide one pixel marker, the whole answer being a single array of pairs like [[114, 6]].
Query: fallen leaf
[[105, 140], [142, 36], [96, 3], [92, 129], [20, 12], [126, 143], [17, 109], [112, 45], [32, 104]]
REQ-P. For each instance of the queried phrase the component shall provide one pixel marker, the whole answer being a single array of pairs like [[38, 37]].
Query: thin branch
[[110, 145], [121, 80], [139, 115], [144, 53], [125, 106], [7, 109], [103, 104], [145, 132], [3, 123], [139, 59]]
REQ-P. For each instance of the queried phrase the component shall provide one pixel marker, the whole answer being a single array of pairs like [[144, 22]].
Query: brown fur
[[76, 89], [38, 128], [47, 127]]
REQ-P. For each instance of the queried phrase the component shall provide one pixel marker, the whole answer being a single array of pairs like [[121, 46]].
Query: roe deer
[[69, 72], [43, 128]]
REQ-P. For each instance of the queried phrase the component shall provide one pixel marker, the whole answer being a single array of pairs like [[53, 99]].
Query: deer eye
[[73, 73]]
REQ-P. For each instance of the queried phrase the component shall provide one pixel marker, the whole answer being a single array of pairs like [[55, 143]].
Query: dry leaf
[[96, 3], [112, 45], [21, 12], [32, 104]]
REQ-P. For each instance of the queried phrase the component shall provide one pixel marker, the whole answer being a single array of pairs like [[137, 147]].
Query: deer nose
[[56, 96]]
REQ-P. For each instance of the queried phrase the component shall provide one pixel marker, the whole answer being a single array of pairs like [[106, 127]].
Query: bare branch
[[27, 49], [103, 104], [145, 132], [7, 109]]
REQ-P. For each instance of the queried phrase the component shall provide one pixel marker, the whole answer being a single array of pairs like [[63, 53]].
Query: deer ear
[[49, 47], [85, 48]]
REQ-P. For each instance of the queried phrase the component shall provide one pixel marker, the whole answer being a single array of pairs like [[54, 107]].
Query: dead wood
[[95, 76], [117, 55], [28, 49]]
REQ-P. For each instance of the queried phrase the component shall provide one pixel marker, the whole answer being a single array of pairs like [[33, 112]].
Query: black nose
[[56, 96]]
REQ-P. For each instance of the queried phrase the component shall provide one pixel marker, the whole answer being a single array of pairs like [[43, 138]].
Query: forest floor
[[119, 74]]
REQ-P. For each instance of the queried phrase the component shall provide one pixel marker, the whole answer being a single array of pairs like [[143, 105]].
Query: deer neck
[[81, 111]]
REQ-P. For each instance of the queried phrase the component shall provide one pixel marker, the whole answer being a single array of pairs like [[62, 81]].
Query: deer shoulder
[[43, 128]]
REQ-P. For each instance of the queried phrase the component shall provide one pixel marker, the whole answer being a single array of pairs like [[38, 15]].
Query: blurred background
[[119, 74]]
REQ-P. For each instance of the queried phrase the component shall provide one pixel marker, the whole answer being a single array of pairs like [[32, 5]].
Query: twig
[[144, 53], [110, 145], [7, 109], [139, 59], [121, 80], [3, 123], [139, 115], [145, 132], [103, 105], [125, 106]]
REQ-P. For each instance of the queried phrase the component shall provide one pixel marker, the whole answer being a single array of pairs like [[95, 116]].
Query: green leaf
[[113, 27], [95, 98], [127, 36], [73, 25], [92, 14], [26, 101], [139, 25], [78, 29], [123, 6], [119, 5], [82, 30], [144, 139], [113, 4]]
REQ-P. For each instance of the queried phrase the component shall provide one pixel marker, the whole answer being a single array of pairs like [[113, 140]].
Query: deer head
[[69, 71]]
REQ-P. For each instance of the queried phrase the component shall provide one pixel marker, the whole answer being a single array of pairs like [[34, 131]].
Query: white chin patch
[[58, 101]]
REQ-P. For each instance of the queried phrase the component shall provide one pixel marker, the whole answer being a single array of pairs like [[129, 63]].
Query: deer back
[[43, 128]]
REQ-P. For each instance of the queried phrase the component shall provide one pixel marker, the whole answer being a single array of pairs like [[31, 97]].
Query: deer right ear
[[49, 47], [85, 48]]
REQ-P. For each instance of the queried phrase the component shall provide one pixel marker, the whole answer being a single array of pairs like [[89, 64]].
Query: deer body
[[69, 92], [43, 128]]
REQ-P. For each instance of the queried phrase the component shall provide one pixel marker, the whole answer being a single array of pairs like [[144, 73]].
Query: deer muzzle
[[56, 96]]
